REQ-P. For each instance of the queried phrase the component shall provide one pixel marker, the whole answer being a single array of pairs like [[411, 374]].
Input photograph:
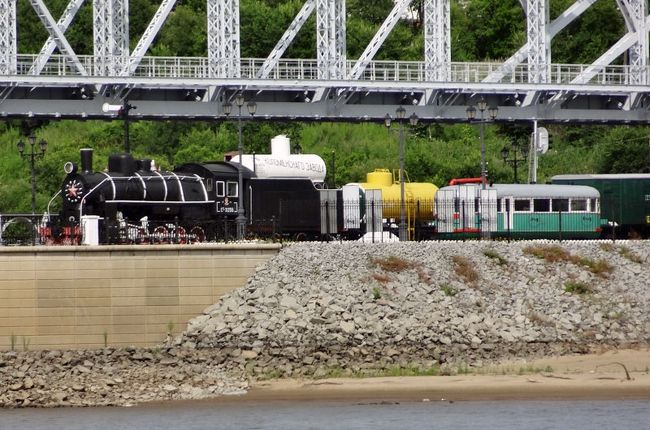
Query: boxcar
[[625, 200]]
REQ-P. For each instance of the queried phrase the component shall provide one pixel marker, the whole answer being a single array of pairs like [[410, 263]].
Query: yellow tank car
[[418, 196]]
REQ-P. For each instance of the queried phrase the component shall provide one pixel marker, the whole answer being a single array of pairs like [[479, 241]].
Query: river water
[[305, 415]]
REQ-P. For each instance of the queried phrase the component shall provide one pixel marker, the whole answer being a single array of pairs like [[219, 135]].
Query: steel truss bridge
[[527, 86]]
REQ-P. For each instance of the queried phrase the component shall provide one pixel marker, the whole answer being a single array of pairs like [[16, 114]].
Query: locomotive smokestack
[[86, 155]]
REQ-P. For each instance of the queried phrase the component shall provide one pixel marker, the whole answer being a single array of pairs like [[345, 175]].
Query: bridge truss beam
[[327, 88]]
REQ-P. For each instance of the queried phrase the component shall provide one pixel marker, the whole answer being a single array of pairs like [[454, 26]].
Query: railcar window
[[476, 205], [578, 205], [594, 205], [560, 205], [208, 184], [522, 205], [232, 189], [541, 205], [221, 189], [498, 205]]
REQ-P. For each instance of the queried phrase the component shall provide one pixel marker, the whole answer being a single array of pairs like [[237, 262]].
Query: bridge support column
[[330, 39], [437, 40], [634, 12], [539, 50], [223, 39], [111, 36], [8, 37]]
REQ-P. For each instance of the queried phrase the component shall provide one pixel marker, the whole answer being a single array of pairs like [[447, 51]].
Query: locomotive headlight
[[69, 167]]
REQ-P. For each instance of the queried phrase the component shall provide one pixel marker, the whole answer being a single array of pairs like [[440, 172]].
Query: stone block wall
[[80, 296]]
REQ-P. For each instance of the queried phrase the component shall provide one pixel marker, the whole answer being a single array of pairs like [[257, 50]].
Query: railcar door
[[351, 207], [488, 210], [445, 210], [328, 221], [508, 209], [374, 221]]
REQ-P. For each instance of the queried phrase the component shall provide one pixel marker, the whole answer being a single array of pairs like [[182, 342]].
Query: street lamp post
[[515, 160], [227, 109], [471, 115], [400, 113], [32, 155]]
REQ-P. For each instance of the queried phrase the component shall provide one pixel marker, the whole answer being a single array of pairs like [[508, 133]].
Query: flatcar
[[524, 211], [625, 201]]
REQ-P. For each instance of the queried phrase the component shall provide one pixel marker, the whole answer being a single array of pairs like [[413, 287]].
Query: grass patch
[[575, 287], [448, 290], [381, 278], [493, 255], [599, 267], [465, 268], [376, 293], [623, 251], [393, 264], [552, 254]]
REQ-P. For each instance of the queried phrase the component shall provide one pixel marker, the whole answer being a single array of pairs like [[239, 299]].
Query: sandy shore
[[588, 377]]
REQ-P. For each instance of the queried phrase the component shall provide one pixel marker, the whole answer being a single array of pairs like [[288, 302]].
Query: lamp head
[[21, 146], [504, 153], [400, 112], [388, 120], [413, 119], [239, 100], [471, 112], [493, 111], [227, 108], [43, 145], [252, 107], [482, 104]]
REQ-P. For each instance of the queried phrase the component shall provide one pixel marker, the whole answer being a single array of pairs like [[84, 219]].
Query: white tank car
[[280, 163]]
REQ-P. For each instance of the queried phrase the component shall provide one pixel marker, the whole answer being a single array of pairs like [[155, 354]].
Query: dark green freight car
[[624, 199]]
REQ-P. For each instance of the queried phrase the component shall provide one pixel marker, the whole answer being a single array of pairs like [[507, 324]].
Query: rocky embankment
[[113, 377], [320, 309]]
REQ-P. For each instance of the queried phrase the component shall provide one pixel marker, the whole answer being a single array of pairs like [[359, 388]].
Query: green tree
[[624, 150]]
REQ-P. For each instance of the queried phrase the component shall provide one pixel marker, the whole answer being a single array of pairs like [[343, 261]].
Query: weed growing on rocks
[[465, 268], [575, 287], [393, 264], [381, 278], [623, 251], [599, 267], [550, 254], [556, 253], [376, 293], [492, 254], [448, 290]]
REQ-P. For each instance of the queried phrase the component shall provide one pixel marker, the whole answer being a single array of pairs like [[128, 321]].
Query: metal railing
[[25, 229], [381, 71]]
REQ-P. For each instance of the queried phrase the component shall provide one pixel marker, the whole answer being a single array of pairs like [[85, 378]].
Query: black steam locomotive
[[131, 202]]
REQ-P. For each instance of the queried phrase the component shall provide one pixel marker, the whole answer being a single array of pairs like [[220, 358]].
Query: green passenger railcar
[[625, 200], [520, 211]]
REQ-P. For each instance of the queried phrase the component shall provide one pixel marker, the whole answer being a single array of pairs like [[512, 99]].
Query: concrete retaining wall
[[79, 296]]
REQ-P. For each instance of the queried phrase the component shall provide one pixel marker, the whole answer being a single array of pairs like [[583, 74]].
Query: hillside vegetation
[[481, 30]]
